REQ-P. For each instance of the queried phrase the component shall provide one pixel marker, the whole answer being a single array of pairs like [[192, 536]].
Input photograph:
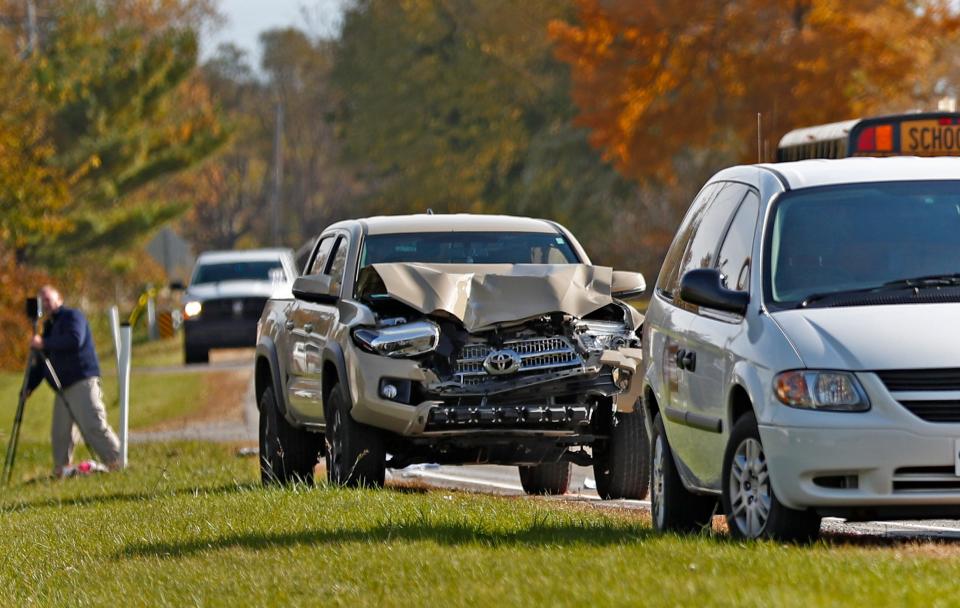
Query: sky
[[245, 19]]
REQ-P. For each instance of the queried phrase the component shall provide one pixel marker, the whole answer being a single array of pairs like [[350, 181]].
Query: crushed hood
[[482, 295]]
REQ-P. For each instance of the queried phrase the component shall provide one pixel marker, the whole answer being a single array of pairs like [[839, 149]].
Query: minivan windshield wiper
[[915, 283], [932, 280]]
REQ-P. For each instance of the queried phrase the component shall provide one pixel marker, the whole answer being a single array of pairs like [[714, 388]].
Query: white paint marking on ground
[[929, 528], [459, 479], [510, 486]]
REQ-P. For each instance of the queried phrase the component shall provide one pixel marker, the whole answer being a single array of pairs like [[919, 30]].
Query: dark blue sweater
[[68, 342]]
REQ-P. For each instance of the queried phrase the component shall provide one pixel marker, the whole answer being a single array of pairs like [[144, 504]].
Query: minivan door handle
[[689, 361]]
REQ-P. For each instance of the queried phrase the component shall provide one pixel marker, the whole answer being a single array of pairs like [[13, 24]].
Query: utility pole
[[31, 27], [275, 202]]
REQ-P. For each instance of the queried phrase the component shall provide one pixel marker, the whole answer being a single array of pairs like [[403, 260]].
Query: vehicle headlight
[[192, 309], [407, 340], [821, 390]]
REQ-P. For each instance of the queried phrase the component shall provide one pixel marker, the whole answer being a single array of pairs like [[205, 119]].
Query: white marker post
[[115, 331], [123, 374]]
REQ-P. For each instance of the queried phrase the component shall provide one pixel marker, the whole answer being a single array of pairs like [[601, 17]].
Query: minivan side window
[[709, 230], [669, 277], [323, 252], [733, 261]]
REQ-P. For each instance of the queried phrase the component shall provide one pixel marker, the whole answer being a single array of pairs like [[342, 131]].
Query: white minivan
[[802, 348]]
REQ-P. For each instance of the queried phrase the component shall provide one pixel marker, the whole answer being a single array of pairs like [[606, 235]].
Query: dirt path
[[229, 412]]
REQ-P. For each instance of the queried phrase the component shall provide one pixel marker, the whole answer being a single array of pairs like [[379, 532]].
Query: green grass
[[189, 525]]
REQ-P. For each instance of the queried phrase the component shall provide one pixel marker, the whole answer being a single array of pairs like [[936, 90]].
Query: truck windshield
[[261, 270], [834, 240], [468, 248]]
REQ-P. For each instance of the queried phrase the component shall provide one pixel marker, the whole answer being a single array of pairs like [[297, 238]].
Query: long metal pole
[[275, 202], [123, 371]]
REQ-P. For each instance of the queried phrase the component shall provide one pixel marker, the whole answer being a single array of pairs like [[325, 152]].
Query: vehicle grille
[[914, 381], [248, 309], [925, 479], [947, 379], [537, 355]]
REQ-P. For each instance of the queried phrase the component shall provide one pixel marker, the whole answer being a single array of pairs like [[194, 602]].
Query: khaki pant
[[84, 409]]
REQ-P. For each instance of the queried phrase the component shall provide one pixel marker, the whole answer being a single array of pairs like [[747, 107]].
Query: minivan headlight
[[407, 340], [821, 390]]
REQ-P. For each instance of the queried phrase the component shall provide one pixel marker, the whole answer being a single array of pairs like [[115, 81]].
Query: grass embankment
[[188, 525]]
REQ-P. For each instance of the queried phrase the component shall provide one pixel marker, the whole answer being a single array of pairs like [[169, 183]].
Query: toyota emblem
[[501, 362]]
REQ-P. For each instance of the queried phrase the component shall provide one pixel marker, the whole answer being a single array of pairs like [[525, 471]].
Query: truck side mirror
[[315, 288], [626, 285]]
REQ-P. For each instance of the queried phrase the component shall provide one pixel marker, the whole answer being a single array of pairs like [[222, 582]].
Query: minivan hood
[[875, 337], [230, 289], [481, 295]]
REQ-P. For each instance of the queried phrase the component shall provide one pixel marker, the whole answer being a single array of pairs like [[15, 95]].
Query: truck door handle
[[289, 325], [308, 327]]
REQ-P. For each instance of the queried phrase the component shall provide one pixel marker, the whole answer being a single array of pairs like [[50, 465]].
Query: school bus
[[920, 134]]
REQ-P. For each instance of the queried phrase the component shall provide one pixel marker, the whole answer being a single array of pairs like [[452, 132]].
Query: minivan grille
[[945, 379], [925, 381]]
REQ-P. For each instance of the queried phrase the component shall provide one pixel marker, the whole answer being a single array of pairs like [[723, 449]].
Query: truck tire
[[672, 506], [621, 464], [287, 454], [552, 478], [355, 454]]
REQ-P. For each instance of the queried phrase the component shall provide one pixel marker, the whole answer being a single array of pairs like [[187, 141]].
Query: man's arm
[[72, 329]]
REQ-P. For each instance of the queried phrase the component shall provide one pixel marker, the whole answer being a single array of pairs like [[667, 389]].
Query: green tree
[[123, 111]]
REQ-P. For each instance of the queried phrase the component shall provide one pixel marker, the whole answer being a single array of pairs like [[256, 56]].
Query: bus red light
[[867, 140], [945, 121]]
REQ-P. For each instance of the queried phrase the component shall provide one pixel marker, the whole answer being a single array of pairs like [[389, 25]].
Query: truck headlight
[[821, 390], [407, 340], [192, 309]]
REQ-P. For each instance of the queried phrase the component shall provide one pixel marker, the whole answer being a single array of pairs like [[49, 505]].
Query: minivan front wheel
[[751, 507]]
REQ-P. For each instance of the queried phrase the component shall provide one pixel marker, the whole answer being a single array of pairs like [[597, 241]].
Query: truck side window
[[733, 261], [323, 252], [338, 264]]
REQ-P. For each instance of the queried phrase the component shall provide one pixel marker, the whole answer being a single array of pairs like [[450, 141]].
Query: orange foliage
[[17, 283], [652, 78]]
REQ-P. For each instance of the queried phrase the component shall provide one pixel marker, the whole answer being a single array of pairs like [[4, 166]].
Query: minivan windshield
[[468, 248], [824, 242], [260, 270]]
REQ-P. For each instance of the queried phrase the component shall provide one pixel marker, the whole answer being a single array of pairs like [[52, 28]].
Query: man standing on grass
[[68, 342]]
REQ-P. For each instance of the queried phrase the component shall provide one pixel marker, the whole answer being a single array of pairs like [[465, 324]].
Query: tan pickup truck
[[454, 339]]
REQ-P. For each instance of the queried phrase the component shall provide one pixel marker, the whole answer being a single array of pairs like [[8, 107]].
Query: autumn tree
[[656, 79]]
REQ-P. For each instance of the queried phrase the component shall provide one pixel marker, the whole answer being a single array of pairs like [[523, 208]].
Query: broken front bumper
[[550, 405]]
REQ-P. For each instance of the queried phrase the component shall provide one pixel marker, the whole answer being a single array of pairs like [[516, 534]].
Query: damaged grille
[[537, 355]]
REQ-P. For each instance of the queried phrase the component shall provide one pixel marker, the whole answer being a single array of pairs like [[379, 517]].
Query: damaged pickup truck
[[456, 339]]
